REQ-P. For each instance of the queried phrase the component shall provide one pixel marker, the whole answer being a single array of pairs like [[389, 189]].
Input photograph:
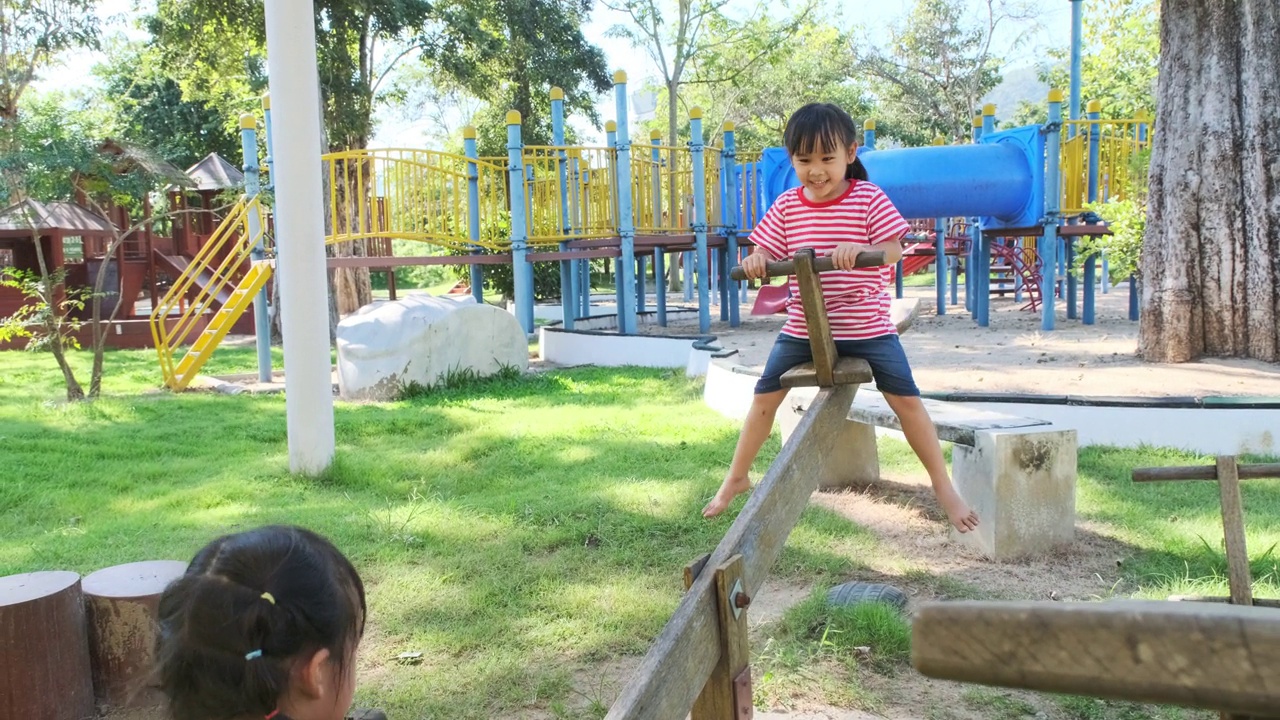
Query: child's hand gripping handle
[[822, 264]]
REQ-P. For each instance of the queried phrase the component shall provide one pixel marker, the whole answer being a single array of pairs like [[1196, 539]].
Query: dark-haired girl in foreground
[[836, 212], [264, 624]]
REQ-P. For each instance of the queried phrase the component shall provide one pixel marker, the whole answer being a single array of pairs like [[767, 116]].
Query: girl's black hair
[[215, 620], [822, 127]]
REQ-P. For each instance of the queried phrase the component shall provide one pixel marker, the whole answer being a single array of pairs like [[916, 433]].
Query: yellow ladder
[[209, 280], [200, 351]]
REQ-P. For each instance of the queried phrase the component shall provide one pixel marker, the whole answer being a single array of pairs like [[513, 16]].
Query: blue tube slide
[[1000, 180]]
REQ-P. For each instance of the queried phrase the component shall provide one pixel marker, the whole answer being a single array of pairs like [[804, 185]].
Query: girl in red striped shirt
[[837, 212]]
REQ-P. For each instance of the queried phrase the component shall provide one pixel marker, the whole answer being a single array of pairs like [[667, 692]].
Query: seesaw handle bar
[[823, 264]]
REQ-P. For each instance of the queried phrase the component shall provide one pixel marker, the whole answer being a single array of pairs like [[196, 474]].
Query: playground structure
[[76, 236], [637, 204]]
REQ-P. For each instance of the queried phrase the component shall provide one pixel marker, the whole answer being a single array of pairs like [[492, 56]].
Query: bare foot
[[729, 489], [962, 518]]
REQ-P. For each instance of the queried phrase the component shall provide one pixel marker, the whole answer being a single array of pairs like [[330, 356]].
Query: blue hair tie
[[253, 655]]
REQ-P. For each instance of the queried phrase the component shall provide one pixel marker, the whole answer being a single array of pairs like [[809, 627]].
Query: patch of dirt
[[926, 563], [951, 353]]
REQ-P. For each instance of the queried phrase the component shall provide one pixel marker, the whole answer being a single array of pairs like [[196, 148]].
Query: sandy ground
[[951, 353]]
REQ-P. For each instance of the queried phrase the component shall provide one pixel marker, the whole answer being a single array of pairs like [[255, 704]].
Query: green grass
[[924, 278], [817, 649], [519, 531], [514, 532]]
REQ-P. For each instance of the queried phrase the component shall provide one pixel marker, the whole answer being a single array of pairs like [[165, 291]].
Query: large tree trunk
[[354, 215], [1211, 256]]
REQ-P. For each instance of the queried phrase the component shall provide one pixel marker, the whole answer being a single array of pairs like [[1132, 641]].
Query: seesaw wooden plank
[[680, 661], [1217, 657], [1204, 472]]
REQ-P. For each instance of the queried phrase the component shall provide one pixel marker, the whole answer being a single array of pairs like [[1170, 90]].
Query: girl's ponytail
[[856, 171]]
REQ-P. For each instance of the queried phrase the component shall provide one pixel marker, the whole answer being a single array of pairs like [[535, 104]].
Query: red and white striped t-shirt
[[857, 301]]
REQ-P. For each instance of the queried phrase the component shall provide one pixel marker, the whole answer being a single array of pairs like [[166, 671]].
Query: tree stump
[[121, 604], [44, 648]]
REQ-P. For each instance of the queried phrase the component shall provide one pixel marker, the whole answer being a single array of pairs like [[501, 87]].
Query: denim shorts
[[884, 354]]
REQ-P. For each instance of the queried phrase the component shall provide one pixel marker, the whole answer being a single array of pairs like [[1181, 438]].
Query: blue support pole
[[660, 284], [626, 223], [982, 244], [1077, 40], [270, 162], [1049, 240], [581, 268], [473, 210], [730, 209], [974, 236], [940, 262], [611, 138], [659, 253], [640, 283], [568, 278], [261, 314], [1095, 172], [700, 219], [1069, 263], [270, 159], [954, 262], [721, 255], [522, 270]]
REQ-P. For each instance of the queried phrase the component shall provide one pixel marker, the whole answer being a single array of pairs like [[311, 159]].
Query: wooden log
[[847, 370], [1216, 657], [719, 698], [818, 326], [1204, 472], [121, 604], [678, 664], [44, 648], [822, 264], [1257, 602], [1239, 577]]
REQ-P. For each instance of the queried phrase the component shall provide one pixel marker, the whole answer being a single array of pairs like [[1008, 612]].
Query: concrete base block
[[853, 459], [1022, 484]]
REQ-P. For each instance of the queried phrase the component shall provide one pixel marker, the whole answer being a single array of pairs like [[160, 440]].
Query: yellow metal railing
[[663, 190], [419, 195], [210, 277], [581, 207], [1120, 143]]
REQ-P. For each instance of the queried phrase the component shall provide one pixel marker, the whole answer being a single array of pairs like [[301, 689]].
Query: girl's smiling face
[[822, 172]]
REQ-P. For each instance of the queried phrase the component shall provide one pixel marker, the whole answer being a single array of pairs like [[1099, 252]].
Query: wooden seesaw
[[1223, 657], [698, 665]]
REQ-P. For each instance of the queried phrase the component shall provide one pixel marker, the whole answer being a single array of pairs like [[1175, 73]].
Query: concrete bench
[[1018, 473]]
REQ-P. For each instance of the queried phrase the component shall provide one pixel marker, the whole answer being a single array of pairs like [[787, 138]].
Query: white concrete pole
[[295, 94]]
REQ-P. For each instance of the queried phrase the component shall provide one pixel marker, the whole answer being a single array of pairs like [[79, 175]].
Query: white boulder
[[386, 346]]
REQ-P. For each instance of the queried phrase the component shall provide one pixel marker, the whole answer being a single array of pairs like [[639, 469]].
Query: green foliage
[[1120, 57], [510, 53], [1128, 222], [148, 108], [217, 53], [681, 39], [934, 72], [759, 97], [32, 33], [47, 318], [55, 143]]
